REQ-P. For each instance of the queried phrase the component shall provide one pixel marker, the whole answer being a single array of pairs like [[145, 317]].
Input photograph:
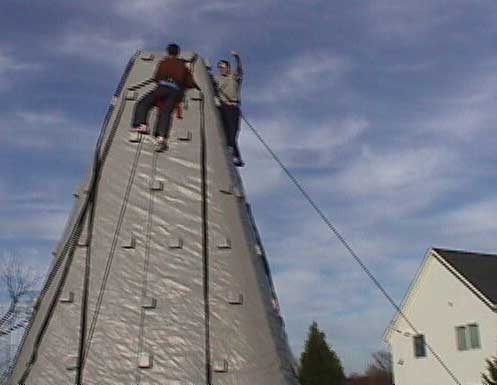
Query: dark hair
[[225, 62], [173, 49]]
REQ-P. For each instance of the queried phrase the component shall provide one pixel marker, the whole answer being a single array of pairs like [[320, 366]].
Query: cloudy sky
[[385, 110]]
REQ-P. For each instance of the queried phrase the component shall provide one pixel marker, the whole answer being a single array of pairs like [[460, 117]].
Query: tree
[[18, 280], [491, 378], [319, 365], [357, 379], [380, 372]]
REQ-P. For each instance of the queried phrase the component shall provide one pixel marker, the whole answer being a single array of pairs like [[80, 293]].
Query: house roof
[[478, 269]]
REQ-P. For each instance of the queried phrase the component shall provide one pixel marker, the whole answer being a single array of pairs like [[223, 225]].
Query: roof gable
[[478, 269], [413, 286]]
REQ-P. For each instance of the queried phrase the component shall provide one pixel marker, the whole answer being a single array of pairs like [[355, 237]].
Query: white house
[[452, 303]]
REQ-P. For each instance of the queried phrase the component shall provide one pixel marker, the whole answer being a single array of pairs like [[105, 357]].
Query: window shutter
[[461, 338], [474, 336]]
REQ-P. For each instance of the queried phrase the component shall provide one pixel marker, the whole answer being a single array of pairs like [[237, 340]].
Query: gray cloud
[[307, 74], [39, 225], [11, 68], [99, 47], [384, 110], [45, 131], [36, 214]]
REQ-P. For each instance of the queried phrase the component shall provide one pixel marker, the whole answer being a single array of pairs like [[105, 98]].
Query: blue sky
[[384, 109]]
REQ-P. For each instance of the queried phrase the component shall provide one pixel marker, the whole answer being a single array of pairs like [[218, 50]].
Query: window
[[461, 338], [419, 346], [468, 337], [474, 336]]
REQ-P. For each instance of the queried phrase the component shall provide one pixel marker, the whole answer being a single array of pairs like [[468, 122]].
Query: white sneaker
[[160, 145], [142, 129]]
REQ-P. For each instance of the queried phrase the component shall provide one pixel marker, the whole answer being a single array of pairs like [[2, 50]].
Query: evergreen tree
[[319, 365], [491, 378]]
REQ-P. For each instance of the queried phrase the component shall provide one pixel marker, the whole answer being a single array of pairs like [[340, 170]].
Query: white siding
[[438, 303]]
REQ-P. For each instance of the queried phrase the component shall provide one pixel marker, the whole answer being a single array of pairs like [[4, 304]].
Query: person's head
[[224, 67], [173, 49]]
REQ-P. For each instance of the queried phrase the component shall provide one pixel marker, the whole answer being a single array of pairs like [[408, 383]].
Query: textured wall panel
[[152, 269]]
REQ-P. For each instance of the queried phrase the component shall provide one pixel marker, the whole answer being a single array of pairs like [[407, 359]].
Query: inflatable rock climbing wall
[[160, 276]]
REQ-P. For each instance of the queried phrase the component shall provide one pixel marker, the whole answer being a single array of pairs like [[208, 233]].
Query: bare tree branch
[[380, 372], [18, 279]]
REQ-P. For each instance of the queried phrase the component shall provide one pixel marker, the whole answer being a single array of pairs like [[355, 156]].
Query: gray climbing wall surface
[[178, 289]]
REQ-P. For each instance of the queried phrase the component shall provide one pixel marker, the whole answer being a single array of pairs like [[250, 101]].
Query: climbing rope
[[110, 256], [344, 242], [205, 241], [71, 240], [148, 242]]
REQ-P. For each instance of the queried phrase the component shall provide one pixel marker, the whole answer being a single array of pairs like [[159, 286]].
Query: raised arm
[[239, 68]]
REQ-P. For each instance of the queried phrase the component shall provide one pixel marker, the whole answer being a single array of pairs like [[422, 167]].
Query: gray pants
[[165, 98], [231, 123]]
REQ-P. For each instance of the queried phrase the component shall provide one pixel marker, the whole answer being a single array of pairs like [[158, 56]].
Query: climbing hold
[[145, 360], [131, 95], [83, 243], [130, 242], [220, 366], [175, 243], [157, 185], [134, 137], [147, 57], [224, 243], [71, 362], [149, 303], [235, 299], [184, 135], [68, 299]]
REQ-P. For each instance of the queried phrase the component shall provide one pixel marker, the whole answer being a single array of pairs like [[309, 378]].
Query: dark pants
[[231, 123], [170, 96]]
